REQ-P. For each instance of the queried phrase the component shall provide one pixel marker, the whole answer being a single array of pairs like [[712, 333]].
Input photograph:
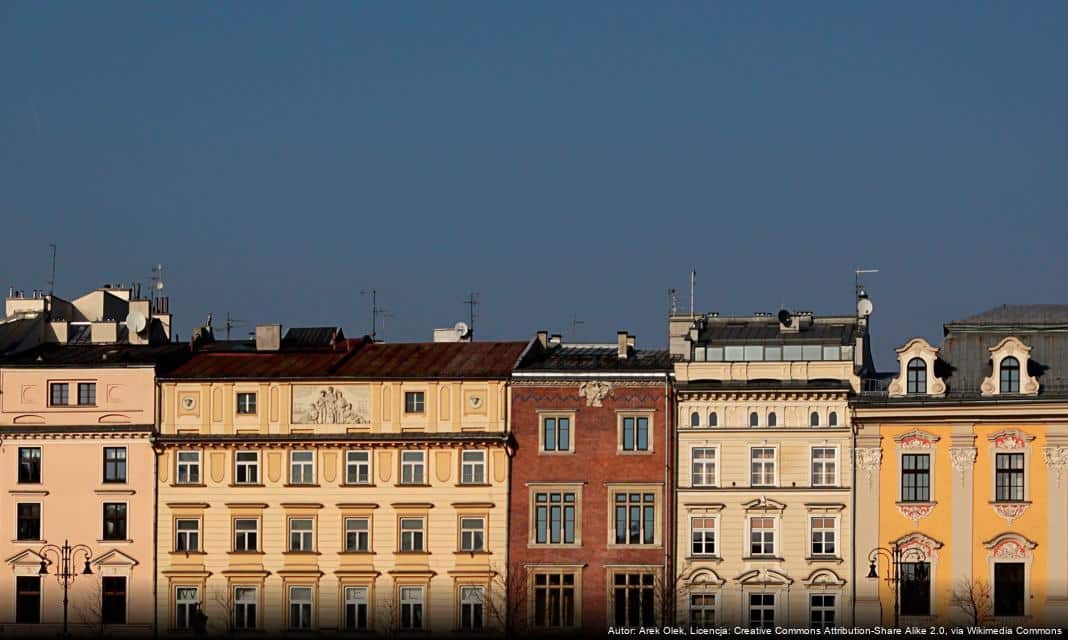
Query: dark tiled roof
[[1019, 314], [434, 360], [766, 331], [605, 358], [965, 358], [315, 337], [99, 355], [241, 361]]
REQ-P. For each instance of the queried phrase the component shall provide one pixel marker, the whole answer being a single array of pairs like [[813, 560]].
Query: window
[[413, 402], [811, 352], [554, 517], [59, 394], [246, 403], [762, 610], [754, 419], [814, 419], [554, 600], [762, 467], [703, 463], [472, 606], [1009, 477], [412, 533], [246, 534], [823, 536], [28, 525], [473, 467], [791, 352], [411, 607], [713, 419], [762, 536], [301, 536], [695, 419], [187, 534], [702, 610], [832, 419], [1010, 375], [1009, 589], [114, 521], [300, 607], [188, 467], [358, 467], [633, 599], [30, 465], [186, 605], [472, 534], [356, 599], [113, 600], [301, 467], [821, 610], [916, 376], [556, 434], [915, 588], [773, 353], [413, 467], [27, 599], [86, 394], [733, 354], [824, 466], [773, 420], [635, 433], [635, 517], [357, 535], [703, 536], [245, 599], [114, 464], [247, 467], [916, 477]]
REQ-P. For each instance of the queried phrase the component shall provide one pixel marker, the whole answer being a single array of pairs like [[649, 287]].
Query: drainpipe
[[853, 524], [669, 497], [155, 516]]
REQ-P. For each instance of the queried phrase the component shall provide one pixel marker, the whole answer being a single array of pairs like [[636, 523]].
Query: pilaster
[[1055, 456], [867, 457], [962, 453]]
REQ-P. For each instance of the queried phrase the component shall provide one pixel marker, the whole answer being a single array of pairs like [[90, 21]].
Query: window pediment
[[1010, 440], [920, 350], [764, 503], [115, 558], [1010, 546], [823, 578], [917, 546], [1010, 347], [766, 577], [704, 578], [916, 439]]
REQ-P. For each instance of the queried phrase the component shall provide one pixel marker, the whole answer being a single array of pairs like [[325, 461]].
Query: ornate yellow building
[[317, 483], [960, 464]]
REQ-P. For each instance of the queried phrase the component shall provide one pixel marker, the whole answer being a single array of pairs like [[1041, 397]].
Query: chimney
[[623, 343], [555, 340], [543, 338], [268, 337]]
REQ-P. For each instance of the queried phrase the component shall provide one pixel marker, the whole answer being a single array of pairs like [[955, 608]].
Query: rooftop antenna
[[157, 279], [374, 309], [231, 323], [693, 287], [386, 315], [858, 289], [673, 300], [52, 282], [575, 322], [472, 303]]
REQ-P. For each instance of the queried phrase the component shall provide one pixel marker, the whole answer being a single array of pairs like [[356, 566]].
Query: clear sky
[[562, 159]]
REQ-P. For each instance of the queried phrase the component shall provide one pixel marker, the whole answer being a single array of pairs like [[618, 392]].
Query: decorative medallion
[[915, 512], [1010, 510], [1056, 458], [189, 403], [475, 401], [963, 460], [595, 392]]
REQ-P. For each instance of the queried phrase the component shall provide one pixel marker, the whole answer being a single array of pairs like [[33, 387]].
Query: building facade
[[591, 487]]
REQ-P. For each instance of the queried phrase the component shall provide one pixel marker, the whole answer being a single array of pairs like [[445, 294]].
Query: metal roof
[[315, 337], [595, 357], [1018, 314], [99, 355], [839, 331]]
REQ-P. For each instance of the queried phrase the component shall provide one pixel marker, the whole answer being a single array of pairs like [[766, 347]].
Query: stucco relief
[[963, 459], [1010, 511], [868, 461], [917, 348], [916, 440], [917, 546], [331, 404], [595, 391], [1056, 458], [1009, 547], [1011, 440], [1010, 346], [916, 512]]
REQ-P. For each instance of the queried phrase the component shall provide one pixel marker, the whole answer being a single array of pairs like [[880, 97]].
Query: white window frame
[[812, 607], [407, 612], [472, 608], [358, 466], [408, 537], [180, 533], [241, 605], [749, 535], [468, 533], [190, 606], [306, 536], [714, 463], [714, 607], [763, 607], [363, 534], [188, 465], [357, 602], [306, 618], [774, 465], [812, 465], [418, 402], [246, 465], [242, 406], [556, 417], [477, 467], [413, 466], [244, 534], [303, 464], [834, 529], [715, 535]]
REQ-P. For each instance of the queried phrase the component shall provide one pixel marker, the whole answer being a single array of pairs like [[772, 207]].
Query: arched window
[[713, 419], [1010, 375], [917, 376], [695, 419], [773, 420], [832, 419], [814, 419], [754, 419]]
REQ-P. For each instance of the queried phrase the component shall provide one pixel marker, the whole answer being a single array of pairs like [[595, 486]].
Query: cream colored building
[[763, 488], [316, 483]]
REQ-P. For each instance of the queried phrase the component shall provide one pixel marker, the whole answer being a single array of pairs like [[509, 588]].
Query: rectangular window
[[791, 352], [703, 536], [301, 534], [30, 465], [554, 517], [412, 531], [811, 352], [28, 525], [246, 467], [86, 394], [915, 588], [187, 534], [473, 467], [703, 462], [357, 535], [1009, 589], [554, 600], [472, 534], [635, 518], [1009, 477], [188, 467], [59, 394], [113, 600], [27, 599], [357, 467], [821, 610], [916, 477], [414, 402], [773, 353], [702, 610], [301, 467], [246, 403], [762, 467], [356, 599], [115, 521], [633, 599], [472, 607], [245, 602], [762, 536], [186, 604], [413, 467], [114, 464], [733, 354], [823, 536], [246, 534], [635, 433], [556, 434], [824, 466], [714, 354], [411, 607], [300, 607], [762, 610]]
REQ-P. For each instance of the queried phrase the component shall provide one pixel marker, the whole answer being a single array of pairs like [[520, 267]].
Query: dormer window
[[1010, 375], [917, 376], [695, 419]]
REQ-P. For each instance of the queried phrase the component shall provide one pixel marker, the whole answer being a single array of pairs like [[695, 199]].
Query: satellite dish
[[461, 329], [785, 319], [864, 307], [136, 322]]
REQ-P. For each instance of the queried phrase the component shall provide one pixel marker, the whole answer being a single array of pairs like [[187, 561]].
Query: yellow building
[[960, 459], [319, 483]]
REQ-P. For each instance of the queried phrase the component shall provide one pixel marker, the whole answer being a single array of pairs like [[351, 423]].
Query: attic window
[[917, 376], [1010, 375]]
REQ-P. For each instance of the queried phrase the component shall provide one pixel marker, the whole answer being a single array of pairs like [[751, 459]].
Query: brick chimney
[[624, 342]]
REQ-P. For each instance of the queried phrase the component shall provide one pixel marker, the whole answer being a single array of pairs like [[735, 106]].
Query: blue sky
[[562, 159]]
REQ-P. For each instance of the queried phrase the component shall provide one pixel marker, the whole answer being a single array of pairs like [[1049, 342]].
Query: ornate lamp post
[[65, 556], [895, 556]]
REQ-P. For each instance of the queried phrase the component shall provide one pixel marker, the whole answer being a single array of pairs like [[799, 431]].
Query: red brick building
[[591, 486]]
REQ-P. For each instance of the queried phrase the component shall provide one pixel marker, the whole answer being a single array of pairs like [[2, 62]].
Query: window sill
[[704, 558], [246, 484], [358, 484], [188, 553], [624, 452], [412, 553], [634, 545], [298, 554], [245, 553], [106, 541], [405, 484], [355, 554], [312, 485], [763, 559], [1010, 503], [188, 484], [27, 541], [482, 552], [550, 545], [834, 559], [473, 484], [569, 452]]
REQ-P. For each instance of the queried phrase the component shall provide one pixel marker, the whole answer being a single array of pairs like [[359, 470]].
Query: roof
[[566, 358], [240, 361], [765, 330], [1018, 314], [304, 337], [99, 355]]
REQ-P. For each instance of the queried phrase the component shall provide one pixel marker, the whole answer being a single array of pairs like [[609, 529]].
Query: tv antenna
[[472, 303], [693, 287], [157, 279], [575, 323], [858, 289], [374, 309], [231, 323], [52, 282]]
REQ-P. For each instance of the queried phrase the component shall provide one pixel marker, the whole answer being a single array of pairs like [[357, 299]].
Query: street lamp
[[65, 557], [895, 556]]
